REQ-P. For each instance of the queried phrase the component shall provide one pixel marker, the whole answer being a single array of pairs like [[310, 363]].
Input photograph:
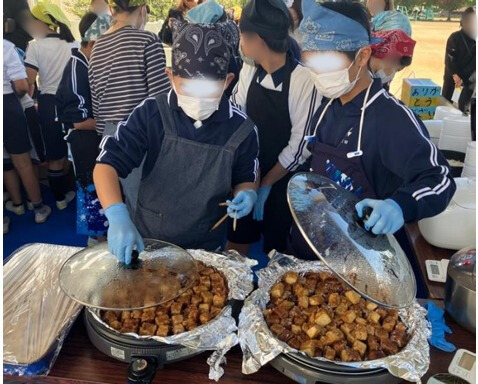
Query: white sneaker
[[6, 196], [30, 206], [6, 224], [69, 197], [42, 214], [16, 209]]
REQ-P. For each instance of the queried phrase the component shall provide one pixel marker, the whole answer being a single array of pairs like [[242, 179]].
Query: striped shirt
[[126, 67]]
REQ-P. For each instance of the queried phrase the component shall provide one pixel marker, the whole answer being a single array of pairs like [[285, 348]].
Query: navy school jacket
[[398, 158]]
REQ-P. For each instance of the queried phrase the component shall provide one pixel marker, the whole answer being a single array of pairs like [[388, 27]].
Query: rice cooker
[[455, 227]]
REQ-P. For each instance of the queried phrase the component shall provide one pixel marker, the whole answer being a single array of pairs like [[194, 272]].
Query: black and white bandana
[[200, 51], [230, 33]]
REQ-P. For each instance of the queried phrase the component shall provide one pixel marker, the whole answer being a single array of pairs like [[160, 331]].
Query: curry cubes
[[197, 306], [199, 319], [317, 314], [303, 319]]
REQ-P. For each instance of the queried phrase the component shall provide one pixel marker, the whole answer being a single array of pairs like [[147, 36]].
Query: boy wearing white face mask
[[363, 138], [198, 151], [391, 55]]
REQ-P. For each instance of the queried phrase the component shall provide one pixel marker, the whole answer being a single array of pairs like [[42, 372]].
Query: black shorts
[[84, 148], [276, 224], [52, 131], [15, 129], [34, 128], [7, 165]]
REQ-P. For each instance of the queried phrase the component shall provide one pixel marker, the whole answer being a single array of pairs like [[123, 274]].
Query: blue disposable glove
[[122, 234], [386, 217], [439, 328], [242, 204], [262, 195]]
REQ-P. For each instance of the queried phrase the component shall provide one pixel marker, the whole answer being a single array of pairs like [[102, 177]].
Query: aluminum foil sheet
[[218, 335], [36, 313], [260, 346]]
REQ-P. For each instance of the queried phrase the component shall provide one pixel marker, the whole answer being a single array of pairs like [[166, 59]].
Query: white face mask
[[384, 77], [245, 58], [198, 108], [334, 84]]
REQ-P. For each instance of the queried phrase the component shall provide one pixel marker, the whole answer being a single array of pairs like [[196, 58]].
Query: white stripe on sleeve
[[445, 183]]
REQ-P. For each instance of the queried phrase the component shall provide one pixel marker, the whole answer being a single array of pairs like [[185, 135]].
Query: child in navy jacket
[[74, 108]]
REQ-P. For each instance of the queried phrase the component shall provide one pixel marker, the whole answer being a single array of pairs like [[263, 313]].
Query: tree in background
[[410, 4], [232, 3], [77, 7], [452, 5], [159, 8], [447, 5]]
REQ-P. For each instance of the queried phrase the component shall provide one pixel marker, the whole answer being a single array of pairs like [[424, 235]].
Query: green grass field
[[429, 57]]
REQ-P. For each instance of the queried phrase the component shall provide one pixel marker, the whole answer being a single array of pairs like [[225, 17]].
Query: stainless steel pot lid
[[374, 266], [94, 277]]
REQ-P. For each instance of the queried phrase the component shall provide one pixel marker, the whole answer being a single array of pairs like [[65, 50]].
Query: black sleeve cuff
[[31, 66]]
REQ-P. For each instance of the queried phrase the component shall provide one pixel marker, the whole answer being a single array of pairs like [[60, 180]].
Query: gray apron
[[179, 200], [130, 184]]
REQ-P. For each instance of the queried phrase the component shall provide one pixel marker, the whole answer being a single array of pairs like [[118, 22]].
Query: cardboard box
[[424, 113], [422, 96]]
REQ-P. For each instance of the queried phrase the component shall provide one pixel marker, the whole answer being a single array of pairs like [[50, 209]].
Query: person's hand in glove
[[386, 217], [262, 195], [439, 328], [242, 204], [122, 233]]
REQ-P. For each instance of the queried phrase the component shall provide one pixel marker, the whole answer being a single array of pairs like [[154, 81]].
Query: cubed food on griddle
[[317, 314], [193, 308]]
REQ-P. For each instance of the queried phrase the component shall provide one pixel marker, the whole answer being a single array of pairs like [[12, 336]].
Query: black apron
[[349, 163], [269, 110]]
